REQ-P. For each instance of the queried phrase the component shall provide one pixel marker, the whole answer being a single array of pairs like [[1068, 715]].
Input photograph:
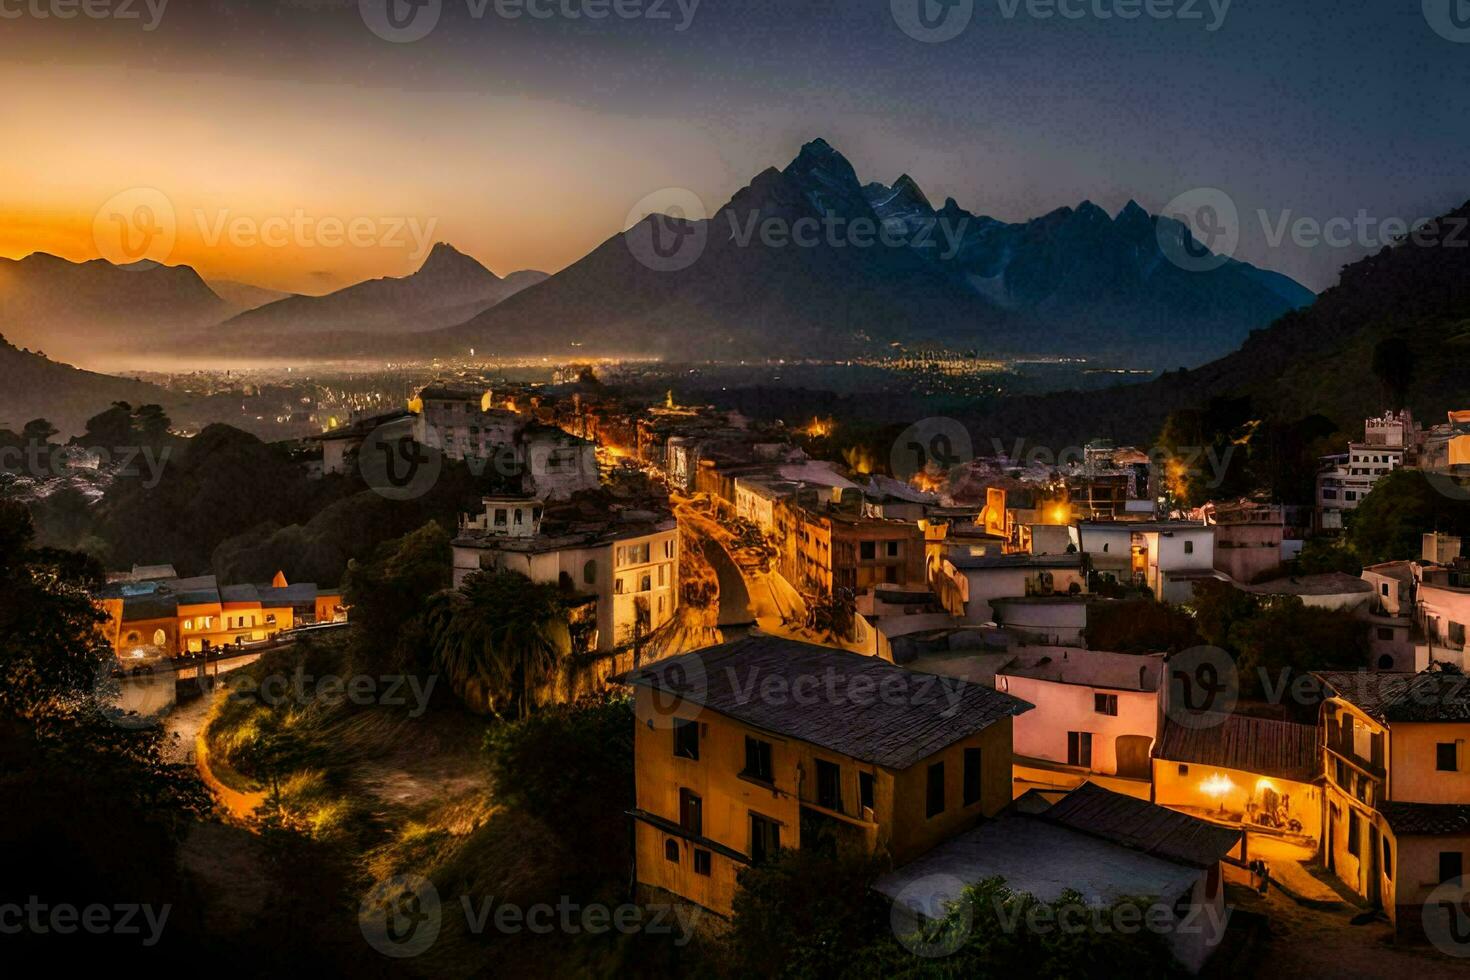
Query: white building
[[966, 583], [628, 563], [1173, 555], [1347, 478], [1097, 714]]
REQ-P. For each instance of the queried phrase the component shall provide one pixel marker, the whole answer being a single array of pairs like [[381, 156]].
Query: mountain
[[244, 296], [794, 265], [1317, 361], [448, 288], [33, 386], [81, 310]]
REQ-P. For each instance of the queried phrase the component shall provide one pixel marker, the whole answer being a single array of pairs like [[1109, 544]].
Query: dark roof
[[1431, 695], [239, 593], [1328, 583], [858, 706], [1427, 818], [363, 427], [151, 606], [1142, 826], [295, 592], [1072, 560], [1262, 746]]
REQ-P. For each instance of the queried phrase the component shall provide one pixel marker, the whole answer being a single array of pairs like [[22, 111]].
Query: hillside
[[1315, 361], [32, 386]]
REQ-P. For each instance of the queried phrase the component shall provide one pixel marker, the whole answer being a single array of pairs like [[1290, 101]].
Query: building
[[1259, 772], [1346, 478], [1248, 539], [967, 584], [1097, 715], [1397, 792], [168, 616], [833, 750], [623, 560], [1103, 846], [1391, 635], [1441, 613], [835, 550], [1327, 590], [1054, 620], [340, 445], [1171, 556]]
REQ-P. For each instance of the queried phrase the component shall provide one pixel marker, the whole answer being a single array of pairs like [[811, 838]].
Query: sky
[[291, 145]]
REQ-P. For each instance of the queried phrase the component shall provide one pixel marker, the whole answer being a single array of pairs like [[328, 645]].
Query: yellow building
[[1396, 822], [765, 743]]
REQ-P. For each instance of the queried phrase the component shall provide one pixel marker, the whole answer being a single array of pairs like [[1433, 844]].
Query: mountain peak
[[446, 260]]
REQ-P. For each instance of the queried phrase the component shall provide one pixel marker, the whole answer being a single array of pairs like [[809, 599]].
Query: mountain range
[[1075, 281]]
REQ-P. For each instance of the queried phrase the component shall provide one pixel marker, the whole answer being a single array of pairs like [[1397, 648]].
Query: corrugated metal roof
[[862, 707], [1142, 826], [1258, 745]]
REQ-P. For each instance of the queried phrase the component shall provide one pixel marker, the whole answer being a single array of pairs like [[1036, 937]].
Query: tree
[[389, 595], [38, 431], [1393, 366], [1290, 639], [498, 639], [1218, 606], [1139, 626], [1390, 522]]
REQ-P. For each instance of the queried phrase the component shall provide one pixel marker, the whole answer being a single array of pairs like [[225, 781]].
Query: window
[[589, 573], [1447, 757], [701, 862], [1385, 633], [691, 812], [671, 850], [1354, 831], [934, 797], [765, 838], [1189, 547], [1383, 588], [1183, 769], [1105, 704], [1105, 548], [758, 760], [668, 549], [1451, 865], [829, 785], [500, 520], [865, 790], [617, 586], [686, 738], [645, 583], [1079, 749], [868, 550], [972, 776], [892, 549], [1387, 860]]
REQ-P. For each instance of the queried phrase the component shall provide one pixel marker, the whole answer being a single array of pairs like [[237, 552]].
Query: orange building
[[767, 743], [1396, 822]]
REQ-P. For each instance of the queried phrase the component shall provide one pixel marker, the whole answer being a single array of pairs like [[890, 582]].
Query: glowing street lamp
[[1218, 786]]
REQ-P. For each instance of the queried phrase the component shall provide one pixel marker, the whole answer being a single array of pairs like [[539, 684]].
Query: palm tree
[[498, 638]]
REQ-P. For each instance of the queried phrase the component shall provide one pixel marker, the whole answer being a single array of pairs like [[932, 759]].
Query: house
[[1248, 538], [1397, 807], [764, 743], [341, 444], [838, 550], [1345, 479], [623, 560], [966, 584], [1262, 773], [1055, 620], [1391, 634], [1104, 846], [1096, 717], [1172, 555], [1328, 590], [1442, 612], [1108, 546]]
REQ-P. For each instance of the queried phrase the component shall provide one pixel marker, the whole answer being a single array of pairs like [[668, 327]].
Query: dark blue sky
[[531, 138]]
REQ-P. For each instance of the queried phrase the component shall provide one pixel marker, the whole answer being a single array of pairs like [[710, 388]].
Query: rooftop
[[1327, 583], [1262, 746], [1143, 826], [1427, 818], [1088, 668], [869, 709], [1429, 696], [967, 562]]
